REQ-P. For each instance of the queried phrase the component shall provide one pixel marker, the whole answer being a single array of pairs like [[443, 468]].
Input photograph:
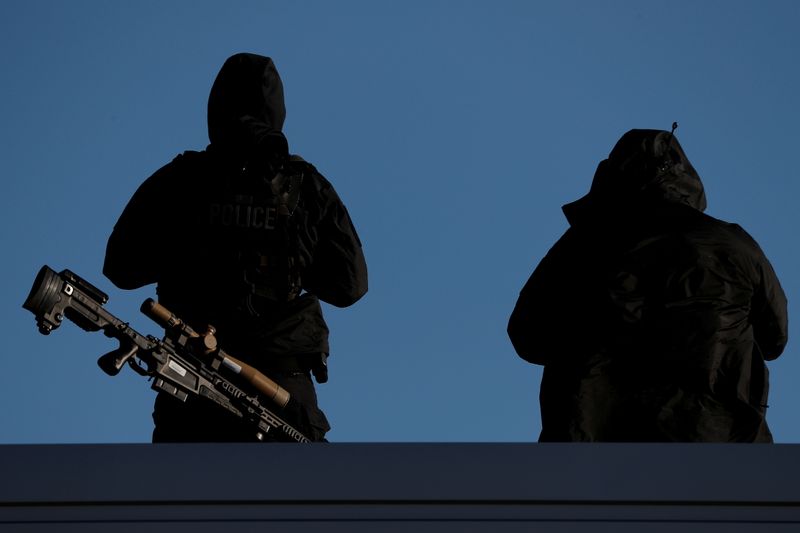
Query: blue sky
[[454, 131]]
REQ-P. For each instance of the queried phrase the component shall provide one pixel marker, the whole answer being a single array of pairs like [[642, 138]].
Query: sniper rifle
[[183, 364]]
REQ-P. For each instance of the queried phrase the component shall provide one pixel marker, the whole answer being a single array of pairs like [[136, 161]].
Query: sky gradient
[[453, 131]]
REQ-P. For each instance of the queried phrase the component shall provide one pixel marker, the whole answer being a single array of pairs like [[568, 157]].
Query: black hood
[[645, 166], [245, 107]]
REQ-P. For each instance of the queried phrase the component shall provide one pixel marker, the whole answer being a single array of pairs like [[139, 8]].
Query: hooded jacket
[[652, 319], [202, 227]]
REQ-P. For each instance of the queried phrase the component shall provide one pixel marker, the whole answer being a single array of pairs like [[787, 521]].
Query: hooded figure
[[249, 239], [652, 320]]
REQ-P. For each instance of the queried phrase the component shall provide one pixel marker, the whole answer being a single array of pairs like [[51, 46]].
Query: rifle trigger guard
[[138, 367]]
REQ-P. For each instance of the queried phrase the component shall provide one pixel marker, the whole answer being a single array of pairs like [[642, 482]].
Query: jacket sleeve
[[769, 314], [338, 270], [538, 324], [136, 248]]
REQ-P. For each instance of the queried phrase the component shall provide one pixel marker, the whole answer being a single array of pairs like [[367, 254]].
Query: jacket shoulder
[[733, 234], [312, 178], [190, 158]]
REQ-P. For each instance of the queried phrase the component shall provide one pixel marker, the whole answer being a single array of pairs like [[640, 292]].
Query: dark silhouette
[[652, 319], [246, 238]]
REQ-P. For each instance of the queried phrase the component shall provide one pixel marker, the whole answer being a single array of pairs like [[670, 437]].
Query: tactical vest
[[249, 216]]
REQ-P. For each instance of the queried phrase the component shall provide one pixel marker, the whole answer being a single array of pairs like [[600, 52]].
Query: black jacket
[[652, 319], [167, 233]]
